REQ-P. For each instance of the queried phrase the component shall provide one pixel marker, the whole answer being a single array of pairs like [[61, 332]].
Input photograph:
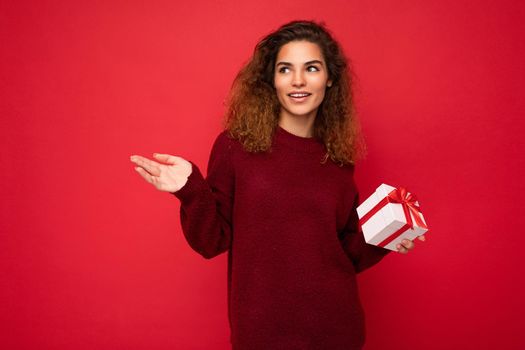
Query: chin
[[301, 112]]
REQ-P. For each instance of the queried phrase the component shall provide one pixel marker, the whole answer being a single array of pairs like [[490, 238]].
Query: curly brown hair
[[252, 106]]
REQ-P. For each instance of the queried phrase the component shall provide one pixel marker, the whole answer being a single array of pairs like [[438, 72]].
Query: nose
[[298, 79]]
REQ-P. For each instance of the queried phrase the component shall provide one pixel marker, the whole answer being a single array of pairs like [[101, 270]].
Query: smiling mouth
[[299, 96]]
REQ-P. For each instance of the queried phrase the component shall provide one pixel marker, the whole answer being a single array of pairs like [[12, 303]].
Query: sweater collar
[[299, 143]]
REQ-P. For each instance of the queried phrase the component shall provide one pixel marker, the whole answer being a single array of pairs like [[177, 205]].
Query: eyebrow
[[306, 63]]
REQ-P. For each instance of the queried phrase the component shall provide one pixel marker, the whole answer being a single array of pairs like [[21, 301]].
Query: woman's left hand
[[406, 245]]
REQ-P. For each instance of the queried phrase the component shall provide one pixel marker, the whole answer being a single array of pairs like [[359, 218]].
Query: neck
[[302, 126]]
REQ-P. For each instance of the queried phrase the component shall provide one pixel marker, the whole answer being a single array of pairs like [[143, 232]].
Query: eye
[[315, 69], [282, 69]]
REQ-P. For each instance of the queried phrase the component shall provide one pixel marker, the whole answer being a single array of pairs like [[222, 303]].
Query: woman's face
[[300, 79]]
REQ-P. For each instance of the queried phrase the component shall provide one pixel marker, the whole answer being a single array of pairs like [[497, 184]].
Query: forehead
[[299, 52]]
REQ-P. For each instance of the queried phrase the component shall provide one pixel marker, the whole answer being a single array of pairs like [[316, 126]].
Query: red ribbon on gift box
[[408, 201]]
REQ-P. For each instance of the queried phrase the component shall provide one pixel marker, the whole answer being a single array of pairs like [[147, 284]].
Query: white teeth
[[299, 95]]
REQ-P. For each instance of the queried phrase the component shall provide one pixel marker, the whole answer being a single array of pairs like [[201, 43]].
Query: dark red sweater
[[289, 225]]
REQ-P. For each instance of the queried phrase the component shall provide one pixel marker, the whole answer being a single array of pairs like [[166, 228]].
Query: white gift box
[[390, 215]]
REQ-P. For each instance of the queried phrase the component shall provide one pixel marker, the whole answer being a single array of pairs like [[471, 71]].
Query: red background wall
[[92, 257]]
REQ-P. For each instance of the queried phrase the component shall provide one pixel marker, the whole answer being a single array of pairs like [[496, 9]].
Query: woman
[[279, 196]]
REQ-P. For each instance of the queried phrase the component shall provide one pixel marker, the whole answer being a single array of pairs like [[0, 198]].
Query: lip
[[299, 99]]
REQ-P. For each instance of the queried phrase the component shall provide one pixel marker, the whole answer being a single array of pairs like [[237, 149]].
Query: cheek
[[279, 85], [279, 91], [319, 85], [319, 82], [321, 89], [320, 99]]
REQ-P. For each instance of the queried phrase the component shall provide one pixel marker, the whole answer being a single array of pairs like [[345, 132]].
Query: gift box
[[390, 215]]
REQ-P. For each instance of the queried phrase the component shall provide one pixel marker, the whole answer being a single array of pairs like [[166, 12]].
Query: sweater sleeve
[[206, 204], [362, 254]]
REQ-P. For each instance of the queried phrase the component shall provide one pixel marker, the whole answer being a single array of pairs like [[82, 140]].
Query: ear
[[329, 83]]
